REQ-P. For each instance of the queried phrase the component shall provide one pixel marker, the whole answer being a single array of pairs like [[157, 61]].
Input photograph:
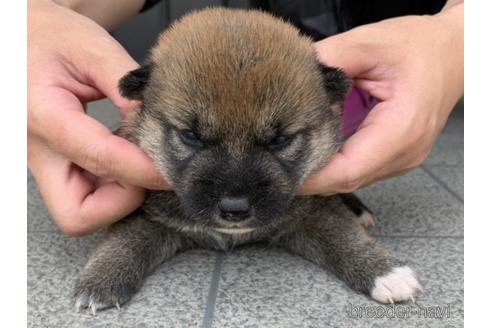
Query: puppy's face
[[236, 130]]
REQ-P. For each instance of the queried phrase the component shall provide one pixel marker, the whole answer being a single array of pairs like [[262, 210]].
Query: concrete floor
[[419, 216]]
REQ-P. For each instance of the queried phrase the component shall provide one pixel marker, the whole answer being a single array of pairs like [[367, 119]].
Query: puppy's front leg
[[337, 240], [115, 270]]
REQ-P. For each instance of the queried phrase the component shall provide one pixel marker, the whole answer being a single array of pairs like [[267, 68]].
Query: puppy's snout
[[234, 208]]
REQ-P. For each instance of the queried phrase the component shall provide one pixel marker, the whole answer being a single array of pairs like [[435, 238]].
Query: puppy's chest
[[205, 237], [224, 242]]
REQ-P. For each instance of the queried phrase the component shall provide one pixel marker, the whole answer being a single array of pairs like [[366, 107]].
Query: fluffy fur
[[236, 113]]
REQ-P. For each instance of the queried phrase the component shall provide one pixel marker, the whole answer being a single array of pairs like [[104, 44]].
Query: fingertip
[[331, 179], [318, 183], [157, 183], [345, 52], [108, 71], [124, 105], [312, 186], [143, 172]]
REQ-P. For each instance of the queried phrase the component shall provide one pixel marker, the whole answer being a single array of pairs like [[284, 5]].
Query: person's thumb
[[345, 52]]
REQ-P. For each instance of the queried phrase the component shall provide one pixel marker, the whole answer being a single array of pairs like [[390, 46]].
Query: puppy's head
[[236, 112]]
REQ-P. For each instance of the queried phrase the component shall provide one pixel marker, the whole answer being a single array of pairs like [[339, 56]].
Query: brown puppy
[[236, 113]]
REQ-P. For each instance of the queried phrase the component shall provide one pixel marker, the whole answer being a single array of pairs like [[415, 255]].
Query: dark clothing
[[322, 18], [149, 4]]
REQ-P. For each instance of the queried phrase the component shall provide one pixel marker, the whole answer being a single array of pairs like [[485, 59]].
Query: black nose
[[234, 207]]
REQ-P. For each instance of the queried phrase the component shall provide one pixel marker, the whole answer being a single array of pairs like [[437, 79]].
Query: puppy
[[236, 112]]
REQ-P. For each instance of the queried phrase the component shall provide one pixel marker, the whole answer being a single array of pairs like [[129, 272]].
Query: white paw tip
[[400, 285], [366, 220]]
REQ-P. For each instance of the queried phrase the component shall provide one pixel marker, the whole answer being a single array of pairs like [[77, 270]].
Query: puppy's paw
[[94, 293], [366, 219], [399, 285]]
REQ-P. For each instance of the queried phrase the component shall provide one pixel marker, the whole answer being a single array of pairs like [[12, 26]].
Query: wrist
[[451, 3], [108, 13], [451, 23], [452, 16]]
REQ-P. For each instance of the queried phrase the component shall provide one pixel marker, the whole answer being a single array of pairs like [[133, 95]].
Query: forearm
[[107, 13]]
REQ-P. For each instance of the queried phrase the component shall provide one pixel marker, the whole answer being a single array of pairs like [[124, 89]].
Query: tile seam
[[441, 183], [209, 314]]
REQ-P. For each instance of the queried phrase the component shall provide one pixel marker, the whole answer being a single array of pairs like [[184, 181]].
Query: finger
[[364, 158], [344, 52], [77, 204], [104, 204], [105, 67], [93, 147]]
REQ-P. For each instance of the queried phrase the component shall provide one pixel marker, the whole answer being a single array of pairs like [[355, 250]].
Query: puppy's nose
[[234, 207]]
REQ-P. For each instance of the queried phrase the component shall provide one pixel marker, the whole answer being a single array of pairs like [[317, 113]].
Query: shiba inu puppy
[[236, 112]]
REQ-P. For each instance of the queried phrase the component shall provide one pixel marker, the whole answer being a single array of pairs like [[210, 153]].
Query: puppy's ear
[[134, 82], [337, 84]]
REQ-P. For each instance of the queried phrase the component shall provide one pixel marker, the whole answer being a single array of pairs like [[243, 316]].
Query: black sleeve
[[320, 19], [149, 4]]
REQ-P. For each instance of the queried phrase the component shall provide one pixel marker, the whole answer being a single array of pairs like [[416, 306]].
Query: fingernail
[[160, 184]]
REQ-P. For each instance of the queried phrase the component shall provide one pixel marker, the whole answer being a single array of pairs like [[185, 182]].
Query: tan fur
[[256, 58], [237, 74]]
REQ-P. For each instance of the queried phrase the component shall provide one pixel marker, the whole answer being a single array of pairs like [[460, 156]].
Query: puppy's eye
[[190, 138], [280, 141]]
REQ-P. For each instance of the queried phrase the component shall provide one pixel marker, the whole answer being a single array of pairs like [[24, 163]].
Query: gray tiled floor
[[419, 217]]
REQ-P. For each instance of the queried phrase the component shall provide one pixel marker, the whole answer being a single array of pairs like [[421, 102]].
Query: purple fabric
[[355, 109]]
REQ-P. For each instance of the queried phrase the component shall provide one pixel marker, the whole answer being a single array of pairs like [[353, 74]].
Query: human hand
[[414, 66], [86, 175]]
